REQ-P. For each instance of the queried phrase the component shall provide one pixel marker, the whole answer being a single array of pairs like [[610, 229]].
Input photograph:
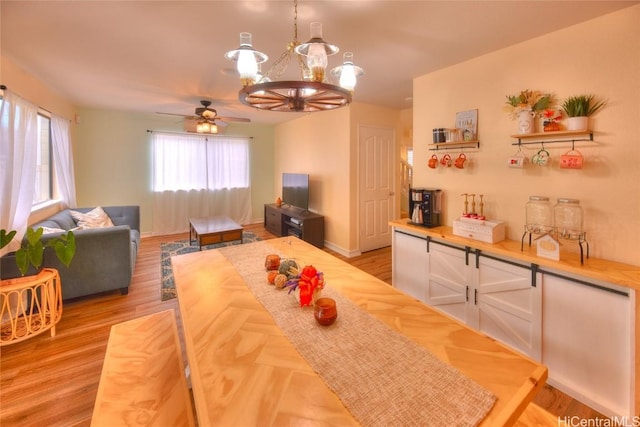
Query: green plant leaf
[[22, 260], [6, 238], [34, 236], [65, 248]]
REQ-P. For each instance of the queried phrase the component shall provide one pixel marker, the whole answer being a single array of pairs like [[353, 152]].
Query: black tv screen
[[295, 190]]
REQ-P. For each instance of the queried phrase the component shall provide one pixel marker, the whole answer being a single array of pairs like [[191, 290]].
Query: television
[[295, 190]]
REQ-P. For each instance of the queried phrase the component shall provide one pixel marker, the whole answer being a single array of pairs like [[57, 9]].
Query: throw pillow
[[96, 218], [51, 230]]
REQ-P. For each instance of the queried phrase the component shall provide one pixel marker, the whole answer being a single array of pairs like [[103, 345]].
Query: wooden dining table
[[244, 370]]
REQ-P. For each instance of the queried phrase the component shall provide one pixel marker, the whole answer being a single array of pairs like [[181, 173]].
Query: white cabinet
[[587, 342], [409, 260], [583, 330], [490, 295], [507, 304], [497, 297], [448, 280]]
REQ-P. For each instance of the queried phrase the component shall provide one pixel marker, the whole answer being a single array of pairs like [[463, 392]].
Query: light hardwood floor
[[48, 381]]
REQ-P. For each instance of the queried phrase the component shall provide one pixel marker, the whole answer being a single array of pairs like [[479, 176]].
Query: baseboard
[[342, 251]]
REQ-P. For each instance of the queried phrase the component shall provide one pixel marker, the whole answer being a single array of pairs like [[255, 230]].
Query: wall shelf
[[454, 145], [559, 136]]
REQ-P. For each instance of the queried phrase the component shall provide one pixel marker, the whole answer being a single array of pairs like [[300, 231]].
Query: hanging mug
[[446, 160], [541, 158], [459, 162], [572, 159], [517, 160], [433, 162]]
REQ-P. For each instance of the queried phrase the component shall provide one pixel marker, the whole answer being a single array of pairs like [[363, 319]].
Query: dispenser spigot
[[466, 204]]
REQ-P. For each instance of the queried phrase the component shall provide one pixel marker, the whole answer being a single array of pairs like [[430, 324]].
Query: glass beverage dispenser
[[539, 217], [567, 215]]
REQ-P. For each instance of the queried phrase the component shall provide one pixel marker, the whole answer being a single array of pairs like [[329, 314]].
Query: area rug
[[180, 247]]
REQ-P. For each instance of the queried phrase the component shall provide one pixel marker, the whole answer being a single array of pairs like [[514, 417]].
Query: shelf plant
[[32, 248], [581, 106], [528, 100]]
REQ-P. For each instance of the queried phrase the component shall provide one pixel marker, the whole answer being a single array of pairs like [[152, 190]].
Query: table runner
[[380, 375]]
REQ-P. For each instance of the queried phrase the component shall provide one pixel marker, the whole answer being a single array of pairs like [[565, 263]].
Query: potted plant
[[33, 304], [525, 106], [31, 250], [579, 108]]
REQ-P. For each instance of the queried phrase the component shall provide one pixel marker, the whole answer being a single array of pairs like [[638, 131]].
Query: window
[[44, 171], [196, 162]]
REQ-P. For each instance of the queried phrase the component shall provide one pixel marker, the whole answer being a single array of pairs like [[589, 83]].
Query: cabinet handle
[[475, 297], [466, 296]]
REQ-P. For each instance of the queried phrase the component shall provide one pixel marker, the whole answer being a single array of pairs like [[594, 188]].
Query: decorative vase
[[525, 121], [578, 123]]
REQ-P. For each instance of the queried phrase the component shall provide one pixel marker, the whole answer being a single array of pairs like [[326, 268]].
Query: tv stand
[[288, 221]]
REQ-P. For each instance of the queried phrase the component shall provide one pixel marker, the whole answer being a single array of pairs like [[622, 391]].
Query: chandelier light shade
[[247, 60], [312, 92], [348, 73]]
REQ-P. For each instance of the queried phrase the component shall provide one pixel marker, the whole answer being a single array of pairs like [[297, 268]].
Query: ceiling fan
[[207, 117]]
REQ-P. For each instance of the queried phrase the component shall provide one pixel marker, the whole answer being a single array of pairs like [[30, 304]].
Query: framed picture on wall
[[468, 122]]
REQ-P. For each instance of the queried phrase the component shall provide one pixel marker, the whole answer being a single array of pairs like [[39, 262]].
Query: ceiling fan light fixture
[[309, 94], [206, 127]]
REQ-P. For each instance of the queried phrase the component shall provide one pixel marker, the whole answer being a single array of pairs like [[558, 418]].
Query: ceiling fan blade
[[179, 115], [234, 119]]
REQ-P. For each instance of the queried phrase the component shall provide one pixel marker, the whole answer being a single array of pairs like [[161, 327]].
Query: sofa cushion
[[61, 220], [96, 218]]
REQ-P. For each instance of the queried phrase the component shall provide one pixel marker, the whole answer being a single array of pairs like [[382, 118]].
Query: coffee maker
[[425, 206]]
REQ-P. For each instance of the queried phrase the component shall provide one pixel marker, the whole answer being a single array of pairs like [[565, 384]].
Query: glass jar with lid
[[539, 216], [567, 217]]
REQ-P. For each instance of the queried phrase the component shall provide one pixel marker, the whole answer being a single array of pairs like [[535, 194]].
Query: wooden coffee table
[[217, 229]]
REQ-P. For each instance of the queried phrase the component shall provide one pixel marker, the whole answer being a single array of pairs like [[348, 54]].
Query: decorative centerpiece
[[525, 106], [307, 285], [279, 271], [325, 311]]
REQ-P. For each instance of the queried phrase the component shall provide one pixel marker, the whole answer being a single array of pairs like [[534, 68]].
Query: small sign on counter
[[548, 247]]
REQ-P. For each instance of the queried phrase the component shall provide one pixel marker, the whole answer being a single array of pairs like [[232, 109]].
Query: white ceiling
[[151, 56]]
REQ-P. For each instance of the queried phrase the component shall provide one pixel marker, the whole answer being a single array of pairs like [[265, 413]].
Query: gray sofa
[[105, 257]]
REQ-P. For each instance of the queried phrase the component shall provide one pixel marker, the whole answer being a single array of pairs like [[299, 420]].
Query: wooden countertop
[[245, 372], [593, 268]]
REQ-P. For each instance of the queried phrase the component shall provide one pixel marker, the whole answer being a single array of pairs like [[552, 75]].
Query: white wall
[[600, 57], [325, 145], [113, 160]]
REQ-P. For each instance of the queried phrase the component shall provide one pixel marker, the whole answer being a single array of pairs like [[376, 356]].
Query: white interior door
[[376, 186]]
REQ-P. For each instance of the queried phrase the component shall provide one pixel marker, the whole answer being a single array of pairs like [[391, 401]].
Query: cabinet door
[[506, 306], [587, 343], [448, 280], [273, 220], [409, 272]]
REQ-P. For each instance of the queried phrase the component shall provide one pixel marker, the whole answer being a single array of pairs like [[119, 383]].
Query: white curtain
[[63, 160], [18, 151], [199, 176]]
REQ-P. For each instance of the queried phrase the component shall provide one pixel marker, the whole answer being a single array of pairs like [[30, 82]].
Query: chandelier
[[312, 92]]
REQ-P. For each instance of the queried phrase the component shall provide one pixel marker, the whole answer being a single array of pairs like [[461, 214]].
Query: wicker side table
[[29, 306]]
